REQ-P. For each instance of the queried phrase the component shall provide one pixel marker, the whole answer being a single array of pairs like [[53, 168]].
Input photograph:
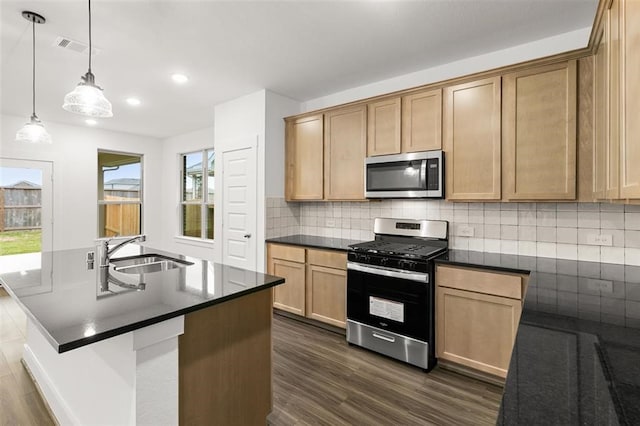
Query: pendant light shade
[[33, 131], [87, 98]]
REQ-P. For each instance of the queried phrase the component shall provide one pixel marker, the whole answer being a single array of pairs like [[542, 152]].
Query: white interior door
[[239, 207]]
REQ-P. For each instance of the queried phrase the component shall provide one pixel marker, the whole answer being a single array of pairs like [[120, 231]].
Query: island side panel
[[225, 363]]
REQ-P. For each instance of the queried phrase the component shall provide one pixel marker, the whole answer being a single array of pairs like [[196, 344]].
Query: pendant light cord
[[33, 71], [90, 48]]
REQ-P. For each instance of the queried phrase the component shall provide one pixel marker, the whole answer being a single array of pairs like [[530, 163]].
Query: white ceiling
[[300, 49]]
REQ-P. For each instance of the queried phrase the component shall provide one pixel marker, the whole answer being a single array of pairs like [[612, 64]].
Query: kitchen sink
[[147, 263]]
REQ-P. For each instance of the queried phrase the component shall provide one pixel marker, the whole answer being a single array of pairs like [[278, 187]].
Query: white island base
[[128, 379]]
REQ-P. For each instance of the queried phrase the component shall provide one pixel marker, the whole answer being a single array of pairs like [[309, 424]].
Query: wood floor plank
[[320, 379]]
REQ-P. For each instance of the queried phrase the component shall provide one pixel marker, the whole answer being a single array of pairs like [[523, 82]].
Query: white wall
[[235, 122], [170, 198], [277, 108], [74, 154], [256, 116], [544, 47]]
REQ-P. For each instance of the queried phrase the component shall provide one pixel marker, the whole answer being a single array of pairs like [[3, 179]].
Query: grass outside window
[[19, 242]]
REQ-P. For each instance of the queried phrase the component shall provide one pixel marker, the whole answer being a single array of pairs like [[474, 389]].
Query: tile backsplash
[[556, 230]]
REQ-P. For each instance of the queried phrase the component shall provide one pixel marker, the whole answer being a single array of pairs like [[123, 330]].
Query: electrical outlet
[[604, 286], [331, 223], [600, 239], [466, 231]]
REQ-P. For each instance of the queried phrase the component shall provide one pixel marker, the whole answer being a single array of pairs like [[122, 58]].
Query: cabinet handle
[[247, 235], [381, 337]]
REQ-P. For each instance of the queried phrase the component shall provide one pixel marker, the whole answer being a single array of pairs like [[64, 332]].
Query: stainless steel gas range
[[390, 289]]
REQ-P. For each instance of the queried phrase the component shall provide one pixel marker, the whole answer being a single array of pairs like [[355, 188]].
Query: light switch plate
[[600, 239], [466, 231]]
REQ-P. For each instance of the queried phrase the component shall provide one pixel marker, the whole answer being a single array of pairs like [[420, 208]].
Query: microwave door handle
[[423, 174]]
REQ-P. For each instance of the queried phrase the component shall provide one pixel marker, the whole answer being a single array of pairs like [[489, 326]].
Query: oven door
[[390, 299]]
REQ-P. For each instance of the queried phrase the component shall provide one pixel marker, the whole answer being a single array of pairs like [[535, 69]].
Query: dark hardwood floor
[[318, 379], [20, 403]]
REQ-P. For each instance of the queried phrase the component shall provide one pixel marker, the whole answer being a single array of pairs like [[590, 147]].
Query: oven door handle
[[395, 273]]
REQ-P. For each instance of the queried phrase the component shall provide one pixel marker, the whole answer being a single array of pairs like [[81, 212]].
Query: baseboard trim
[[470, 372], [309, 321], [56, 405]]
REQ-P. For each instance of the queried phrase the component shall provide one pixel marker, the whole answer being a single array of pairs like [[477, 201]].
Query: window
[[196, 213], [119, 194]]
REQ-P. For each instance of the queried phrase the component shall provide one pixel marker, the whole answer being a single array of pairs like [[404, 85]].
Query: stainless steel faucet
[[106, 252]]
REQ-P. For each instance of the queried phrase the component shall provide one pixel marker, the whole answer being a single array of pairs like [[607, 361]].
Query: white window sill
[[198, 242]]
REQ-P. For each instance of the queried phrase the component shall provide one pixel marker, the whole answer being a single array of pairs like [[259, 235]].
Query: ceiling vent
[[73, 45]]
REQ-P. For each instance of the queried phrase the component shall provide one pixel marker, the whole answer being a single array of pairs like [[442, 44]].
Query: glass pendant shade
[[33, 132], [87, 99]]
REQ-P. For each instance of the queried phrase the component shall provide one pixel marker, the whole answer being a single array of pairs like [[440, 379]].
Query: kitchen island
[[184, 345]]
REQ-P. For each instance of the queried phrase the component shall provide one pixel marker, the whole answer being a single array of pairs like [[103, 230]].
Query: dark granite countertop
[[576, 359], [315, 242], [74, 306]]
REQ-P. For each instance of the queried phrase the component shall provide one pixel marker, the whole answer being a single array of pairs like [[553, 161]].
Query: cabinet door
[[422, 121], [383, 127], [630, 96], [476, 330], [326, 295], [539, 133], [601, 131], [612, 28], [304, 158], [344, 153], [472, 140], [289, 296]]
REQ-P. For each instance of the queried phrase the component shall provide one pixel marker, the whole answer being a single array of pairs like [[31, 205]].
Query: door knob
[[247, 235]]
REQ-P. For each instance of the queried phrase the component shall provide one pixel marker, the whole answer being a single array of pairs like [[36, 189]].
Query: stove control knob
[[383, 261], [408, 265]]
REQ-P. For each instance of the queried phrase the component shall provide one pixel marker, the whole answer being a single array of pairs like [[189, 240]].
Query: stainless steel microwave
[[411, 175]]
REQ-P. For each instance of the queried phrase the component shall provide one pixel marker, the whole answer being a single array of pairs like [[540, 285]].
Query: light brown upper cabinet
[[422, 121], [472, 140], [304, 158], [345, 149], [383, 127], [601, 121], [616, 153], [539, 133], [630, 99]]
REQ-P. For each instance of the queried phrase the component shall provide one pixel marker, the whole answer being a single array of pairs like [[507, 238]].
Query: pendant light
[[34, 130], [87, 98]]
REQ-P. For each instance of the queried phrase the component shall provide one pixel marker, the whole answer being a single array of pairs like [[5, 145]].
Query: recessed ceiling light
[[91, 121], [133, 101], [179, 78]]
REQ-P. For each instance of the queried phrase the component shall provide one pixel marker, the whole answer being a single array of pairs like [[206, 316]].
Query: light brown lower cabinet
[[289, 263], [326, 295], [315, 282], [477, 316]]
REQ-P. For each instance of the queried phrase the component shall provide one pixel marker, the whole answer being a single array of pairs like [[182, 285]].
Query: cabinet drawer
[[480, 281], [293, 254], [330, 259]]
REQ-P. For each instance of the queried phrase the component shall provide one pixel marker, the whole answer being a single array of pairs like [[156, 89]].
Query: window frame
[[140, 201], [204, 203]]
